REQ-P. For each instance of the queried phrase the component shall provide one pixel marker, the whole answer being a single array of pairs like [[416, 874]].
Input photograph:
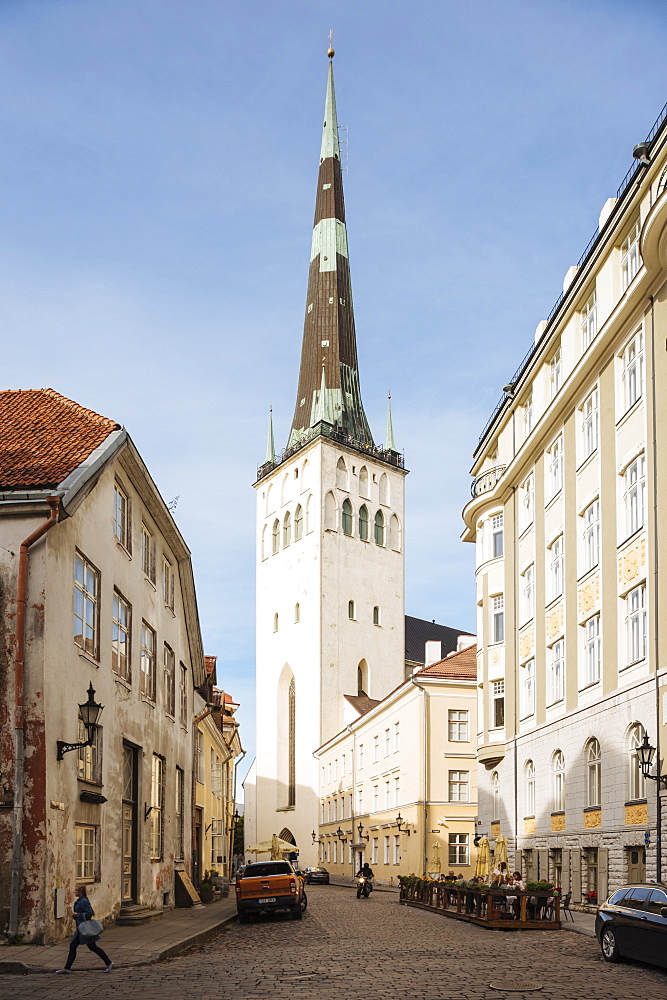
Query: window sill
[[123, 549], [588, 573], [554, 704], [588, 686], [552, 500], [586, 461], [630, 410], [629, 666], [169, 716], [150, 582], [636, 802], [629, 538], [123, 681], [98, 784], [88, 656], [559, 812], [147, 701], [529, 817], [170, 610], [592, 809], [286, 809]]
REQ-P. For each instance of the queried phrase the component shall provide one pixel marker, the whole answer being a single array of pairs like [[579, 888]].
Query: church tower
[[330, 565]]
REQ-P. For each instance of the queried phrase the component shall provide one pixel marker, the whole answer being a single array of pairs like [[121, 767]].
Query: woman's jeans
[[90, 944]]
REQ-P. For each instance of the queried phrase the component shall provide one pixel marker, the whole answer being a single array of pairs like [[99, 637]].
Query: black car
[[316, 875], [633, 924]]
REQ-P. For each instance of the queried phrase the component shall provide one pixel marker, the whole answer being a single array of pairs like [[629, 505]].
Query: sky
[[157, 188]]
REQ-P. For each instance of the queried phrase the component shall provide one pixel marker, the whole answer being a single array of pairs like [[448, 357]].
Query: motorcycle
[[364, 886]]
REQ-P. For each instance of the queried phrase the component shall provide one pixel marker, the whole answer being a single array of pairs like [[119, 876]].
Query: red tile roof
[[456, 666], [44, 436]]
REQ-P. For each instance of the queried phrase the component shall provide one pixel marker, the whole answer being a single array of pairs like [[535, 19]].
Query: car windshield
[[263, 869]]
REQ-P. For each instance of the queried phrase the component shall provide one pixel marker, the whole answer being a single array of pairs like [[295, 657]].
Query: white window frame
[[555, 372], [528, 593], [497, 536], [86, 852], [635, 624], [634, 495], [528, 502], [121, 630], [497, 704], [590, 424], [591, 517], [528, 689], [147, 552], [631, 260], [530, 788], [374, 851], [147, 670], [593, 774], [637, 781], [498, 618], [458, 725], [633, 369], [121, 516], [592, 650], [86, 604], [528, 415], [458, 784], [589, 320], [556, 567], [559, 781], [557, 672], [459, 849], [555, 454]]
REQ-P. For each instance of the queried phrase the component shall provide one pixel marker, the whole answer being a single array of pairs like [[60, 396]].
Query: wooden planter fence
[[529, 910]]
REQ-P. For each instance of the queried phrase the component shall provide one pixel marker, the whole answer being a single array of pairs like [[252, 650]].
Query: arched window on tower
[[384, 489], [298, 523], [351, 610], [379, 528], [341, 474], [363, 523], [275, 622], [376, 615], [270, 499], [330, 512], [287, 529], [362, 677], [363, 483], [394, 533], [291, 745], [347, 517], [297, 613], [276, 536]]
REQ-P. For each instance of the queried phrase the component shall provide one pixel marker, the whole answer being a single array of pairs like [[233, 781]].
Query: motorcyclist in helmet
[[367, 872]]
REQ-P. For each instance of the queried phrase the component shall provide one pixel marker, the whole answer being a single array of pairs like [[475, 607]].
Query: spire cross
[[331, 52]]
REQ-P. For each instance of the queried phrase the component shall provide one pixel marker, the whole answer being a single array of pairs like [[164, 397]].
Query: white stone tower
[[330, 565]]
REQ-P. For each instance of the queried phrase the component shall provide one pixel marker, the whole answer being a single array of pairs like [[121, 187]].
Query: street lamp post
[[645, 754]]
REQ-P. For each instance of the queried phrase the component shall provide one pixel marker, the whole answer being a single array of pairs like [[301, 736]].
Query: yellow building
[[398, 785], [569, 480], [217, 747]]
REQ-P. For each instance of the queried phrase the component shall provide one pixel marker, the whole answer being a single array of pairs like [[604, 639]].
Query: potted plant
[[592, 897], [206, 888]]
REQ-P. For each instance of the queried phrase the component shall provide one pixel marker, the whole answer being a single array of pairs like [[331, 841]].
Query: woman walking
[[83, 911]]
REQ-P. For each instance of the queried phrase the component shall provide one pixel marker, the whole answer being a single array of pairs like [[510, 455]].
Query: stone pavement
[[366, 949], [127, 946]]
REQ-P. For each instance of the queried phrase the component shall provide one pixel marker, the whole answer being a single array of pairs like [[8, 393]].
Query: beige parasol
[[436, 863], [482, 865], [275, 847], [501, 850]]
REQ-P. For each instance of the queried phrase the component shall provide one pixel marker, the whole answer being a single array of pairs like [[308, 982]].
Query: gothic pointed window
[[594, 768], [363, 483], [383, 489], [363, 523], [394, 533], [287, 529], [330, 512], [341, 474], [298, 523], [347, 517], [379, 528], [276, 536], [291, 745]]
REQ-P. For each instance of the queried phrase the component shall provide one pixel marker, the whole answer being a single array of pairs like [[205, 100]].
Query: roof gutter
[[19, 717]]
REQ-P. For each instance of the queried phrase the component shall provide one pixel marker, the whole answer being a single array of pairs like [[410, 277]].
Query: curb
[[171, 951]]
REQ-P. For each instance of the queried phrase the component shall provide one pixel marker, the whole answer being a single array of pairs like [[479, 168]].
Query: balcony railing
[[487, 480], [326, 430]]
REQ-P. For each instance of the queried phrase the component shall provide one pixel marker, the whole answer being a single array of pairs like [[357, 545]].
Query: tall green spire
[[389, 442], [270, 444]]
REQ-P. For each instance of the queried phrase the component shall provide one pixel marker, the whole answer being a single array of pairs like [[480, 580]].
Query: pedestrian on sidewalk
[[84, 911]]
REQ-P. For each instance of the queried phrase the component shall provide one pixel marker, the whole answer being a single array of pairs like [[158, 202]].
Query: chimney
[[432, 651]]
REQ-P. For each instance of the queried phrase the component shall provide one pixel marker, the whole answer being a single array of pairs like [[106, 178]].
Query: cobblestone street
[[361, 950]]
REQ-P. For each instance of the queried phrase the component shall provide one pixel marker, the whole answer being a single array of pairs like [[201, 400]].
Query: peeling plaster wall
[[58, 673]]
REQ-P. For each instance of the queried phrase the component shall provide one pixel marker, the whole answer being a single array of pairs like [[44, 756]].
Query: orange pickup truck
[[269, 885]]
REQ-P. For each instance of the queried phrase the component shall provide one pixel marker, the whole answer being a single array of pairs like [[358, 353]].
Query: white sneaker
[[109, 967]]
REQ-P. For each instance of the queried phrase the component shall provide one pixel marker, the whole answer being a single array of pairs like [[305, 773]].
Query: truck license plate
[[272, 899]]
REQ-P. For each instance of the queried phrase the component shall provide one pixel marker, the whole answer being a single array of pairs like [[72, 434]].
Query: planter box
[[488, 908]]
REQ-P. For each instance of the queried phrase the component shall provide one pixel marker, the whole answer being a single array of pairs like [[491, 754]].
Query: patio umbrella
[[501, 849], [436, 863], [275, 847], [482, 865]]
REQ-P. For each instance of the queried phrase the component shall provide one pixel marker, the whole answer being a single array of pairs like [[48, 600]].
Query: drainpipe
[[656, 607], [19, 717], [424, 769]]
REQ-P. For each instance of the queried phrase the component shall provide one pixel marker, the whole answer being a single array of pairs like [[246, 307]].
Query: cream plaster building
[[570, 476], [217, 750], [397, 785], [97, 590]]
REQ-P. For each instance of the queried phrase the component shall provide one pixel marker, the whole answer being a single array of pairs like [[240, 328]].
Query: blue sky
[[158, 180]]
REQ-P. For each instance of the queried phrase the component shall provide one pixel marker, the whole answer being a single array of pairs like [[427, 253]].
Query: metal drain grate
[[511, 986]]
